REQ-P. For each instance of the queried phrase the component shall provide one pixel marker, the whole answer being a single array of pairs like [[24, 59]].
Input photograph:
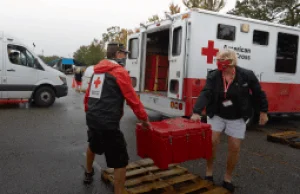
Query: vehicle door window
[[19, 55], [134, 48], [177, 34], [226, 32], [287, 52]]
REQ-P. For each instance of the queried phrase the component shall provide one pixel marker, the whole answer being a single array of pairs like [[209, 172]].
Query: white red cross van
[[191, 41]]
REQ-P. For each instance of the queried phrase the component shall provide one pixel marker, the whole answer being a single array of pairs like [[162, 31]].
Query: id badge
[[227, 103]]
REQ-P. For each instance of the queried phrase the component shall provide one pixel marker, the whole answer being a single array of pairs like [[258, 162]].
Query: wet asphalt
[[42, 152]]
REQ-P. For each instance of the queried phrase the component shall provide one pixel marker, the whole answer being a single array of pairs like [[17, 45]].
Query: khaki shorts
[[234, 128]]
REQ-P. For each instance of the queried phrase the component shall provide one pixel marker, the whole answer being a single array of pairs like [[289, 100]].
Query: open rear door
[[135, 59], [177, 59]]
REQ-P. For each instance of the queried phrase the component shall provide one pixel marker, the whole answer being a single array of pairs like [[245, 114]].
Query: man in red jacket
[[104, 100]]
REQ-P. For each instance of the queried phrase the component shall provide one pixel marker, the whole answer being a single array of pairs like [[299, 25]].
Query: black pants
[[111, 143]]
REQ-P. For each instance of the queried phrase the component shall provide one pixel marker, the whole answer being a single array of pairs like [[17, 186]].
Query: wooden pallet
[[144, 177], [292, 138]]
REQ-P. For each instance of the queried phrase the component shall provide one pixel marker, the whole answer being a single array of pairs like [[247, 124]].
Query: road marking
[[96, 165]]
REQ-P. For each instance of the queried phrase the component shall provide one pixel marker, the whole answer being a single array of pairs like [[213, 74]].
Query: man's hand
[[263, 119], [195, 117], [146, 125]]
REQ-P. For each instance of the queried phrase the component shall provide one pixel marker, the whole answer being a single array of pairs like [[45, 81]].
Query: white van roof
[[10, 38]]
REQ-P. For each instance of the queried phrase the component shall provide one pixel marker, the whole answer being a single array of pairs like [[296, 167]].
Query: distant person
[[78, 78], [104, 100], [226, 98]]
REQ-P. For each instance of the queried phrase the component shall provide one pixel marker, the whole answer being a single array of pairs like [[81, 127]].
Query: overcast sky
[[61, 26]]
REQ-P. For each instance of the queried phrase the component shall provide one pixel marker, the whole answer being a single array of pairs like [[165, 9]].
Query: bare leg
[[215, 143], [120, 176], [90, 156], [234, 145]]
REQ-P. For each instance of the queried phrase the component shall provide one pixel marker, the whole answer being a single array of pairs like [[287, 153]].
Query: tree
[[193, 3], [154, 18], [115, 34], [291, 13], [48, 59], [174, 9], [122, 36], [90, 54], [212, 5], [285, 12]]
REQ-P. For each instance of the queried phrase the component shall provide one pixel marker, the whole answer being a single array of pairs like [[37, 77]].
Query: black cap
[[114, 47]]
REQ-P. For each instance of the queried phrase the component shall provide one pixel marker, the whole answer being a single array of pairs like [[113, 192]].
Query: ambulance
[[191, 41], [24, 77]]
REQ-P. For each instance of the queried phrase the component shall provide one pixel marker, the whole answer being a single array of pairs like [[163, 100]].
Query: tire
[[44, 97]]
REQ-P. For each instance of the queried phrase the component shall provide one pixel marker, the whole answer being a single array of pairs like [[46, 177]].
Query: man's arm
[[257, 92], [86, 96], [205, 96], [130, 95]]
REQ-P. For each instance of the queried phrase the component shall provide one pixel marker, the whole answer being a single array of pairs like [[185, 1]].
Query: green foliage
[[154, 18], [48, 59], [174, 9], [116, 35], [285, 12], [212, 5], [91, 54]]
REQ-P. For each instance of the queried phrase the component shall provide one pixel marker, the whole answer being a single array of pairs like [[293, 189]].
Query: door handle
[[11, 70]]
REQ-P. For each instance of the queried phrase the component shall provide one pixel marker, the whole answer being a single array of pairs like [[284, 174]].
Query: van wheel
[[44, 97]]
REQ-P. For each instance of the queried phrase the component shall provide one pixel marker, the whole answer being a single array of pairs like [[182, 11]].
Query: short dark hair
[[113, 48]]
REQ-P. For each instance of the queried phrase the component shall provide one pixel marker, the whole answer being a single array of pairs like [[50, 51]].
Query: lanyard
[[226, 86]]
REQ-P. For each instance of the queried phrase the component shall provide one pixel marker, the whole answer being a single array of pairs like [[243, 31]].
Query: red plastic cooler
[[174, 141], [161, 145], [144, 142], [199, 137]]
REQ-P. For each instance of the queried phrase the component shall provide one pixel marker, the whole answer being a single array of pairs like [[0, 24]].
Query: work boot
[[88, 179]]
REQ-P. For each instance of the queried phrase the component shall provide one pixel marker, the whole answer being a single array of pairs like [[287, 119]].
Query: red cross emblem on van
[[210, 52]]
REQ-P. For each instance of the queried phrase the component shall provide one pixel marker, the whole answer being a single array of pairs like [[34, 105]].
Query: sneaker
[[229, 186], [88, 179]]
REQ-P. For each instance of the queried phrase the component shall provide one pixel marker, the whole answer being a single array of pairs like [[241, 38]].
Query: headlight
[[63, 79]]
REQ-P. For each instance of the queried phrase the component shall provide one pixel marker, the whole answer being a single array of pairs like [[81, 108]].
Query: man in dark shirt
[[226, 98]]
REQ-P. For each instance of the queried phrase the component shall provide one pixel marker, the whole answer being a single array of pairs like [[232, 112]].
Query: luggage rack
[[144, 177]]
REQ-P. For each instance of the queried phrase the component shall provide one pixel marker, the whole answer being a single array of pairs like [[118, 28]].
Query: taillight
[[176, 105], [180, 106]]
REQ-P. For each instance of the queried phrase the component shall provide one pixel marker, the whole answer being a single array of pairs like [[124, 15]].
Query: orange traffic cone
[[73, 84]]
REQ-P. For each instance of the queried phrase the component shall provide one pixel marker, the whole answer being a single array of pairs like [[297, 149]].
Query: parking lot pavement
[[42, 151]]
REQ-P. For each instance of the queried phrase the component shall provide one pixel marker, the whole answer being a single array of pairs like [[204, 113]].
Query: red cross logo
[[210, 51], [97, 82]]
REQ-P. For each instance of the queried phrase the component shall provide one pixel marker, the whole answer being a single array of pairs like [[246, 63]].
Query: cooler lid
[[179, 129], [161, 128], [196, 126], [181, 126]]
